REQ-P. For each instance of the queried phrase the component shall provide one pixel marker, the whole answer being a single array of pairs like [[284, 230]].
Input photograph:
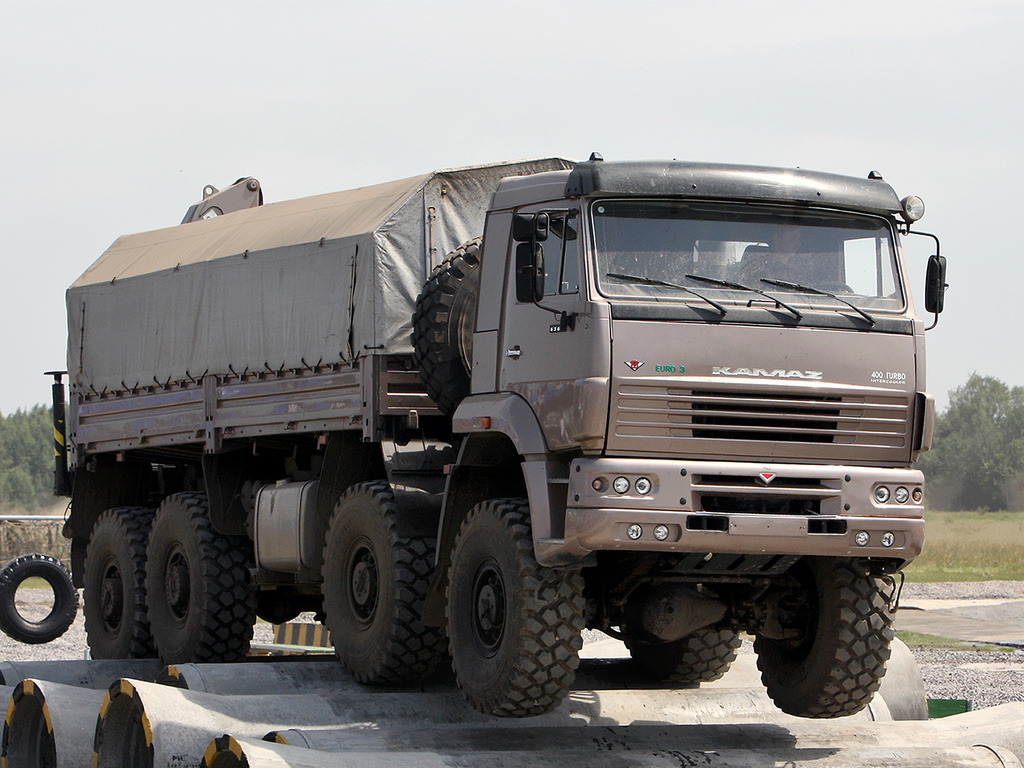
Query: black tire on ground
[[65, 599], [202, 606], [514, 627], [835, 668], [701, 657], [114, 577], [442, 326], [374, 585]]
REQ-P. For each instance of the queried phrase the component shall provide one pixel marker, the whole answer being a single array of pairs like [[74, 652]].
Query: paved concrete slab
[[948, 624]]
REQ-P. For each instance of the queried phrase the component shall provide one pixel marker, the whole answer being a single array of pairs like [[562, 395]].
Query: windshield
[[655, 249]]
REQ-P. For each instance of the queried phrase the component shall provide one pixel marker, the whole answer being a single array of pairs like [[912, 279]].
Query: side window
[[570, 282], [553, 253], [561, 254]]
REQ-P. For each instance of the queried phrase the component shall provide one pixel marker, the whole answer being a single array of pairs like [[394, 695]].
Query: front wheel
[[832, 663], [514, 626], [202, 606]]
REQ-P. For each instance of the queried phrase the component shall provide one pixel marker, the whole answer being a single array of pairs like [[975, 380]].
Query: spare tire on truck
[[65, 599], [442, 326]]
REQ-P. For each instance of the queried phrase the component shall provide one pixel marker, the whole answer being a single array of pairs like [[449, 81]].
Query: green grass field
[[971, 546]]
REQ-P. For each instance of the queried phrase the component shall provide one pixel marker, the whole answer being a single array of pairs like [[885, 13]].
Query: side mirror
[[530, 228], [935, 284], [529, 272]]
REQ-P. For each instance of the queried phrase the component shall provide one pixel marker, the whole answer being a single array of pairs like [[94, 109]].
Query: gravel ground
[[985, 678]]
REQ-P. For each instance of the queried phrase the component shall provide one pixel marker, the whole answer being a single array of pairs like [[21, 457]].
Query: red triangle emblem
[[766, 477]]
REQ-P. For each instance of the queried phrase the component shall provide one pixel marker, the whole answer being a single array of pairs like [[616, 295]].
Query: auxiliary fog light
[[643, 486], [634, 531], [913, 208], [862, 538], [620, 484], [881, 494], [661, 532], [888, 539], [901, 495]]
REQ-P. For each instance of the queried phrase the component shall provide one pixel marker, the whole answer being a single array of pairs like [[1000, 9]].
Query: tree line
[[977, 462], [26, 460]]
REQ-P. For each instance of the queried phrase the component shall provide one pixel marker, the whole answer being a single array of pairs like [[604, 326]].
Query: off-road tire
[[836, 668], [65, 599], [514, 627], [114, 577], [701, 657], [202, 606], [442, 326], [374, 585]]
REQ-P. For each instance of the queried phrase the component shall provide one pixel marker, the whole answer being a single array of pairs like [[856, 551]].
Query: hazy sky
[[114, 115]]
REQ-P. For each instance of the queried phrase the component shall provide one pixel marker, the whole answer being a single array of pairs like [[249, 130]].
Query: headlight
[[643, 486], [620, 484], [913, 208], [901, 495], [881, 494]]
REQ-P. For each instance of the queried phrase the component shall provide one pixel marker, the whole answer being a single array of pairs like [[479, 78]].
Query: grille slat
[[858, 419]]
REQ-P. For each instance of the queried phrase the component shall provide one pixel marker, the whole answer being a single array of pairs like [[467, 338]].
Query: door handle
[[514, 353]]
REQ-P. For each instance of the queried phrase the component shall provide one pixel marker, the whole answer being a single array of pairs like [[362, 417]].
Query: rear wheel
[[514, 627], [442, 326], [701, 657], [116, 619], [202, 606], [374, 584], [833, 659]]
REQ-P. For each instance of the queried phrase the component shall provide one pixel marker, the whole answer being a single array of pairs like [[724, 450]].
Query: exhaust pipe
[[61, 475]]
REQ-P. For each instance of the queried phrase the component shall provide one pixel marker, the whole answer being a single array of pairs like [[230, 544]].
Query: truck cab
[[714, 378]]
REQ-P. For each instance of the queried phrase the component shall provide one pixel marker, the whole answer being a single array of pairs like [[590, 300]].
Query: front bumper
[[742, 508]]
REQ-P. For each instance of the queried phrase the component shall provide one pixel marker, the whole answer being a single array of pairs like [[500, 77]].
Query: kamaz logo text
[[778, 373]]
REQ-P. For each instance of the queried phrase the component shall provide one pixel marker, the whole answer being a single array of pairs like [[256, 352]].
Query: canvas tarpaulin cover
[[322, 279]]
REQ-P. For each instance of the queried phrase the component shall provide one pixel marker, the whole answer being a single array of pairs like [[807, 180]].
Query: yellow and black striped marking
[[119, 690], [224, 750]]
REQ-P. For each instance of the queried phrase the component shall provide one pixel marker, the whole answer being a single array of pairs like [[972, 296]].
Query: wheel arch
[[502, 453], [105, 485]]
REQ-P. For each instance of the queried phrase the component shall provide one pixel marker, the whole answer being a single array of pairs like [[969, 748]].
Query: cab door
[[555, 344]]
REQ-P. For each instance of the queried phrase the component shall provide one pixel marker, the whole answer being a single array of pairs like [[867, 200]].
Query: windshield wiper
[[738, 287], [652, 281], [809, 289]]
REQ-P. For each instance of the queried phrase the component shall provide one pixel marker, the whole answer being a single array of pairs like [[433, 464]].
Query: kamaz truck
[[463, 416]]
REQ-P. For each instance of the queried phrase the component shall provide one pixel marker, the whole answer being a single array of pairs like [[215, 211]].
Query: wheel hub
[[364, 584], [489, 600], [177, 585], [112, 598]]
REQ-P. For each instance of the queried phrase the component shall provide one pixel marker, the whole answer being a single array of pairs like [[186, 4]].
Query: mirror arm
[[945, 285]]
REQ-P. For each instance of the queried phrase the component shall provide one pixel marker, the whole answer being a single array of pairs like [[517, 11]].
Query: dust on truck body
[[671, 401]]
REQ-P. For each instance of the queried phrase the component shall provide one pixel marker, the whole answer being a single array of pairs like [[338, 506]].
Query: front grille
[[862, 419], [764, 417]]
